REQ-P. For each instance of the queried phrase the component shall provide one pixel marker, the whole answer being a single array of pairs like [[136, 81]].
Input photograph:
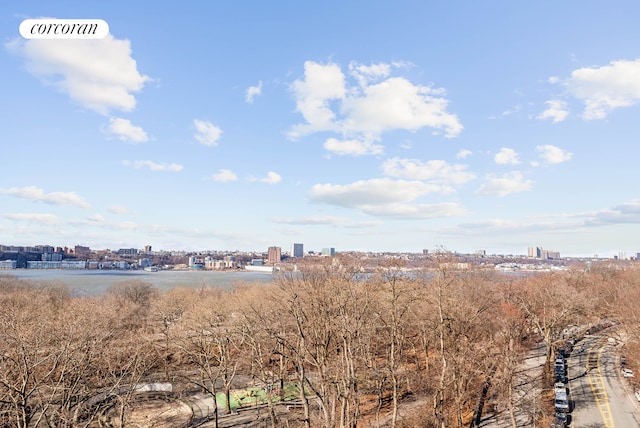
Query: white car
[[559, 387], [627, 372]]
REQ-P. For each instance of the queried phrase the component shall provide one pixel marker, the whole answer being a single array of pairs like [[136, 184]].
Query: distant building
[[73, 264], [274, 255], [297, 250], [147, 249], [79, 250], [144, 262], [8, 264], [540, 253], [43, 265], [51, 257], [127, 252], [329, 252]]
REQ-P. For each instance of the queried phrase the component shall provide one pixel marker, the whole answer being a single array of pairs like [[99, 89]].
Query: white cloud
[[96, 218], [271, 178], [224, 175], [207, 133], [252, 92], [321, 84], [556, 111], [552, 154], [98, 74], [435, 170], [153, 166], [365, 74], [397, 103], [506, 156], [512, 182], [625, 213], [366, 110], [55, 198], [126, 131], [385, 198], [47, 219], [463, 154], [605, 88], [353, 147], [118, 209]]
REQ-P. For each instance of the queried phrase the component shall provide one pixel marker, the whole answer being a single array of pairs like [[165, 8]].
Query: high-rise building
[[297, 250], [329, 252], [147, 249], [274, 255]]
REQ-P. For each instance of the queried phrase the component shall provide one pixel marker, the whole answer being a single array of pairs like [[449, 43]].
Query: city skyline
[[358, 127]]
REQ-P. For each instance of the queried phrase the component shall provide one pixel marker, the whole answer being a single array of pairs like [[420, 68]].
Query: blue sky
[[355, 125]]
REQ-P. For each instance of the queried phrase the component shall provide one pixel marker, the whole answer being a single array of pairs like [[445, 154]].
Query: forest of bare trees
[[430, 347]]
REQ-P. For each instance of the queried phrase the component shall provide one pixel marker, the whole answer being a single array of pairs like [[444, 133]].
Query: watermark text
[[49, 28]]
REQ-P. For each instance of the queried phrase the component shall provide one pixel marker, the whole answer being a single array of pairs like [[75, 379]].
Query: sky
[[362, 126]]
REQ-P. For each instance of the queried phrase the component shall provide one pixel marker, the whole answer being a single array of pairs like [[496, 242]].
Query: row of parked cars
[[561, 401]]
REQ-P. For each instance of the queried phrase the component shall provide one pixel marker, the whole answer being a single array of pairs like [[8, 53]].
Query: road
[[600, 395]]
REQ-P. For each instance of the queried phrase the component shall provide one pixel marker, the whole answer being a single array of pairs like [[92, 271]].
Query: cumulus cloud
[[374, 191], [99, 74], [506, 156], [366, 74], [153, 166], [126, 131], [34, 193], [271, 178], [252, 92], [605, 88], [433, 170], [463, 154], [553, 155], [377, 103], [556, 111], [385, 198], [353, 147], [224, 175], [46, 219], [321, 84], [207, 133], [509, 183]]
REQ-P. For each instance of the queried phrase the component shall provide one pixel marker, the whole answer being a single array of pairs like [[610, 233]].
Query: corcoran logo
[[49, 28]]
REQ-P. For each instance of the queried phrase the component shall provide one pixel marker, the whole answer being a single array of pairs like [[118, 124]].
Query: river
[[96, 282]]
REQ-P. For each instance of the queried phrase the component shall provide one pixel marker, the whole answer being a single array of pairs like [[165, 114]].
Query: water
[[96, 282]]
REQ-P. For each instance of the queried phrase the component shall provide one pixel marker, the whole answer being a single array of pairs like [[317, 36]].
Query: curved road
[[600, 395]]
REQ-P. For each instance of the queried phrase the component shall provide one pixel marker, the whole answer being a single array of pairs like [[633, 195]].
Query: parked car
[[562, 401], [638, 395], [560, 377], [561, 418], [627, 372], [559, 387]]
